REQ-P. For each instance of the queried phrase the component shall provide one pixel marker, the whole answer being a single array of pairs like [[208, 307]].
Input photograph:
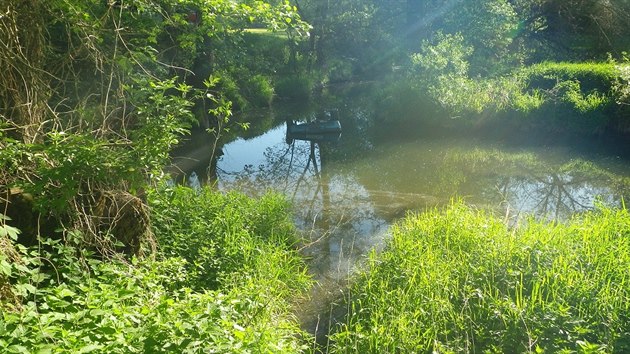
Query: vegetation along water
[[153, 198]]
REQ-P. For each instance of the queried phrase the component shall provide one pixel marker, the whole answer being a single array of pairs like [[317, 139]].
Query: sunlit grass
[[267, 32], [459, 280], [478, 158], [584, 89]]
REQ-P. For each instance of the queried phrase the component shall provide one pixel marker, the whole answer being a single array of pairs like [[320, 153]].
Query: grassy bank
[[459, 281], [222, 281], [575, 97], [456, 280]]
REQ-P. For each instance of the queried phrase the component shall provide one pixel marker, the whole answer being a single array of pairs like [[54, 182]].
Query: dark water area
[[347, 190]]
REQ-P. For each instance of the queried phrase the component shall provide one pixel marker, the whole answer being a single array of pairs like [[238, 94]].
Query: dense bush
[[294, 87], [461, 281], [71, 302], [584, 97]]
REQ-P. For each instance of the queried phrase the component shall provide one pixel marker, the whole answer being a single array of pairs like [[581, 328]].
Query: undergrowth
[[584, 97], [460, 281], [221, 283]]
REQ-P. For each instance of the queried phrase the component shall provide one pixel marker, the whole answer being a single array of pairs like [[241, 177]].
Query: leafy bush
[[271, 50], [591, 75], [65, 165], [259, 91], [622, 87], [75, 303], [462, 281], [140, 308], [447, 55], [578, 96], [294, 87]]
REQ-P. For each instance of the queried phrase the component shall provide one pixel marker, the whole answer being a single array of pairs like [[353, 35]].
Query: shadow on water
[[348, 189]]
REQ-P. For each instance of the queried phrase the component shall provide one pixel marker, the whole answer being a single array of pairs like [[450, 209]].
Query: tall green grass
[[561, 87], [460, 281], [228, 237]]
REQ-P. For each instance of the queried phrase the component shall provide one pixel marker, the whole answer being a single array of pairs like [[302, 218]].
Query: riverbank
[[589, 99], [223, 279], [227, 275], [460, 280]]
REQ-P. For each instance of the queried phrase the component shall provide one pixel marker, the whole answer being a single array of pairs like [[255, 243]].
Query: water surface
[[347, 191]]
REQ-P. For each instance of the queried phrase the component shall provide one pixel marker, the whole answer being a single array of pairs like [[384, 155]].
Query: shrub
[[294, 87], [259, 91], [72, 302], [96, 306]]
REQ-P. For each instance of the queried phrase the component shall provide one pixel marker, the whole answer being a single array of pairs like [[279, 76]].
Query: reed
[[459, 280]]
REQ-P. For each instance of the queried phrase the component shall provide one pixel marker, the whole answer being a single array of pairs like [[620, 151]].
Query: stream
[[348, 189]]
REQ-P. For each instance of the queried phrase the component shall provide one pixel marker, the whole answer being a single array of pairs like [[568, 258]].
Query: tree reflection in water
[[336, 213], [557, 192], [554, 196], [345, 200], [347, 203]]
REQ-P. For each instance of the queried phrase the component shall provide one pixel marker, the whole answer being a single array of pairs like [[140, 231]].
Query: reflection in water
[[554, 196], [347, 191], [352, 200], [531, 184], [334, 210], [336, 213], [194, 160]]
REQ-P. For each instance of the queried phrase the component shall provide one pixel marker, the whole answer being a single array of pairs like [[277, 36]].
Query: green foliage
[[442, 68], [446, 55], [477, 60], [105, 81], [162, 115], [461, 281], [622, 86], [585, 90], [7, 230], [339, 71], [67, 164], [401, 100], [229, 88], [592, 75], [273, 51], [294, 87], [222, 235], [74, 303], [572, 94], [259, 90], [490, 27]]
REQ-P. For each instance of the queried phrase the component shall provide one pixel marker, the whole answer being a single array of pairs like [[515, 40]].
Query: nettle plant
[[110, 93]]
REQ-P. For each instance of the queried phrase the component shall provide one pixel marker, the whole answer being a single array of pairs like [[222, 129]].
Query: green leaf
[[18, 349], [6, 230], [107, 330], [45, 350], [90, 348], [5, 268], [97, 312], [65, 292], [26, 288]]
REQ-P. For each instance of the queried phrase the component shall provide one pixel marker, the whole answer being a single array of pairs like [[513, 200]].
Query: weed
[[222, 282], [459, 280]]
